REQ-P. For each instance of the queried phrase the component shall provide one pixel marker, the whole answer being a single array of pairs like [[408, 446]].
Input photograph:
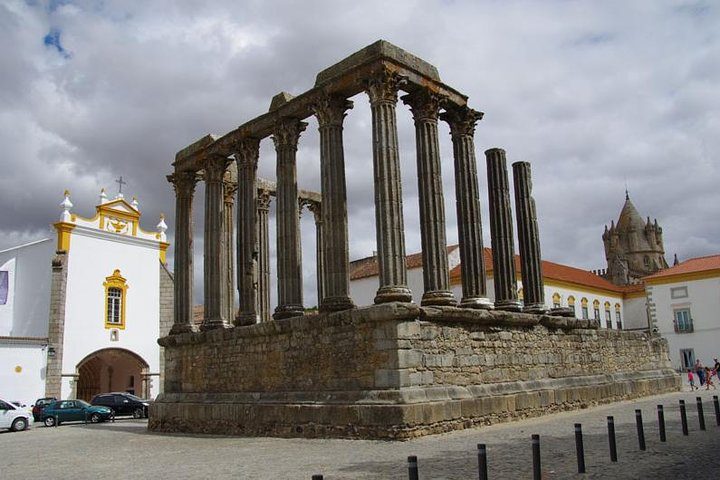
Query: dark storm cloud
[[593, 94]]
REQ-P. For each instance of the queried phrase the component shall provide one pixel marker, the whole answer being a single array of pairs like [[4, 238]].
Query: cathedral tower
[[634, 247]]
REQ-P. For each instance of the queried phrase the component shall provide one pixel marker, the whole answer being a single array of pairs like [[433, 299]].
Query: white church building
[[80, 314]]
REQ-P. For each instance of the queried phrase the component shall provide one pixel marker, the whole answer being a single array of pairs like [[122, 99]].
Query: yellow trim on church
[[683, 277], [115, 281], [163, 252], [64, 229]]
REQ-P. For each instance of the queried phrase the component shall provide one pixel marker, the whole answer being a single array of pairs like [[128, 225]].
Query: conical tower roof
[[629, 217]]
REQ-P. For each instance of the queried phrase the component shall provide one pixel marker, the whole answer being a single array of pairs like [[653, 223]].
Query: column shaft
[[248, 151], [467, 204], [214, 272], [331, 220], [389, 226], [501, 232], [184, 184], [289, 255], [436, 281], [529, 239], [263, 229], [228, 250]]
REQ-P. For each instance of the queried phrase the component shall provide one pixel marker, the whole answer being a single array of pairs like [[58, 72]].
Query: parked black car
[[123, 404]]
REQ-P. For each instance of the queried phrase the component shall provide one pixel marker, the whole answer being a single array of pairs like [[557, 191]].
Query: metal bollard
[[717, 409], [482, 462], [579, 448], [536, 457], [611, 438], [701, 415], [413, 468], [661, 422], [683, 417], [317, 477], [640, 429]]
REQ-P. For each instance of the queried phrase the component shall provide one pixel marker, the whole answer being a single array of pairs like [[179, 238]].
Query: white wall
[[90, 260], [29, 384], [27, 311], [703, 300], [636, 313]]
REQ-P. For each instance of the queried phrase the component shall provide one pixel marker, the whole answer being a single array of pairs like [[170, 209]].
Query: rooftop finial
[[135, 204], [103, 196], [627, 195], [66, 205], [162, 228]]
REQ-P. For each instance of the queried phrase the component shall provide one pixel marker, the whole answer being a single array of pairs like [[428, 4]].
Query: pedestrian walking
[[708, 379], [700, 371], [691, 380]]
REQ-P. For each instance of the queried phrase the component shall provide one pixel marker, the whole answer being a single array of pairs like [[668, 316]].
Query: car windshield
[[82, 403], [133, 397]]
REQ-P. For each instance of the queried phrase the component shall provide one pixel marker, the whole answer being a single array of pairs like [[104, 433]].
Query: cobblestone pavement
[[126, 449]]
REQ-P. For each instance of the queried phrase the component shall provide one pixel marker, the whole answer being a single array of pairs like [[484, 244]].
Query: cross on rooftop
[[120, 183]]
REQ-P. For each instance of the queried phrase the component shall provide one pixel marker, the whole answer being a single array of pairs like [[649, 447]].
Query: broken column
[[529, 239], [472, 260], [425, 107], [389, 228], [501, 232]]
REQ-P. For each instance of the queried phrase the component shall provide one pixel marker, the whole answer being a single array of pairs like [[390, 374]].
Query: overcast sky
[[593, 94]]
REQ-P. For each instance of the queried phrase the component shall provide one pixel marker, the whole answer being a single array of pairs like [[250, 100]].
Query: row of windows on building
[[584, 309]]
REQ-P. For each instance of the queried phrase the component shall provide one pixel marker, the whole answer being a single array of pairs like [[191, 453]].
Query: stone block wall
[[399, 371], [167, 310]]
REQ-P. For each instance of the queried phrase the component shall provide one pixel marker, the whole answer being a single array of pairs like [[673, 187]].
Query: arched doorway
[[112, 370]]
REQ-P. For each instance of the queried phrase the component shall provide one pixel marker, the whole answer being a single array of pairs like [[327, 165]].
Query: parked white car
[[14, 418]]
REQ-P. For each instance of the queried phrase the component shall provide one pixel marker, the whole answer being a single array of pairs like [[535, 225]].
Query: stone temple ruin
[[394, 369]]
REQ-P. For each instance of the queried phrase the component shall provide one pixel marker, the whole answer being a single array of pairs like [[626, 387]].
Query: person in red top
[[691, 380]]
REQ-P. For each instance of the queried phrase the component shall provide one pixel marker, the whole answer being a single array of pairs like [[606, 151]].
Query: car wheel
[[138, 413], [49, 421], [19, 425], [95, 418]]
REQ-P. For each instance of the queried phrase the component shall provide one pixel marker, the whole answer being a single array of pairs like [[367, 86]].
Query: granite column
[[184, 185], [214, 271], [425, 107], [389, 226], [467, 203], [529, 239], [331, 217], [246, 157], [228, 250], [289, 256], [501, 232], [263, 235]]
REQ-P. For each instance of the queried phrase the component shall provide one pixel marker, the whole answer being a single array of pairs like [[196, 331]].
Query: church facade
[[80, 314]]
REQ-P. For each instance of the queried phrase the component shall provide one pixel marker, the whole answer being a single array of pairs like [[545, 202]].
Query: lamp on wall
[[51, 351]]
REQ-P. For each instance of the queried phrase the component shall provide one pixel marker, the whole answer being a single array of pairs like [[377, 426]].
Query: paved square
[[126, 449]]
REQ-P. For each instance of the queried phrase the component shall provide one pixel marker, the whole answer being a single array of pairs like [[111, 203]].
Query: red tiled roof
[[368, 266], [692, 265]]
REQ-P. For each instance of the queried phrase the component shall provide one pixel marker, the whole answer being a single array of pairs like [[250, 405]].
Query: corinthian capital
[[183, 183], [461, 120], [287, 132], [263, 199], [247, 151], [331, 110], [215, 166], [424, 105], [383, 87]]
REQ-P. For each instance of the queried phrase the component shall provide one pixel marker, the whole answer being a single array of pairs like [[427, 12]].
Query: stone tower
[[633, 248]]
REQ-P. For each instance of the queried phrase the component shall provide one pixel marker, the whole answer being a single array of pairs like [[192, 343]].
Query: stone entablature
[[397, 370]]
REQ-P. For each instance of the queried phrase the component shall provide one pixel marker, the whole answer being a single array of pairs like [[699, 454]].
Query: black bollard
[[717, 409], [413, 468], [701, 415], [536, 457], [317, 477], [640, 429], [683, 417], [482, 462], [611, 438], [661, 422], [579, 448]]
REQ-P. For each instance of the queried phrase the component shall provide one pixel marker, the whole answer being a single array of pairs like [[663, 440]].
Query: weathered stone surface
[[398, 371]]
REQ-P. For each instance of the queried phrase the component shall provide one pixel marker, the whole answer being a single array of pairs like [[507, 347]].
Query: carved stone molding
[[384, 86], [287, 132], [331, 111]]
